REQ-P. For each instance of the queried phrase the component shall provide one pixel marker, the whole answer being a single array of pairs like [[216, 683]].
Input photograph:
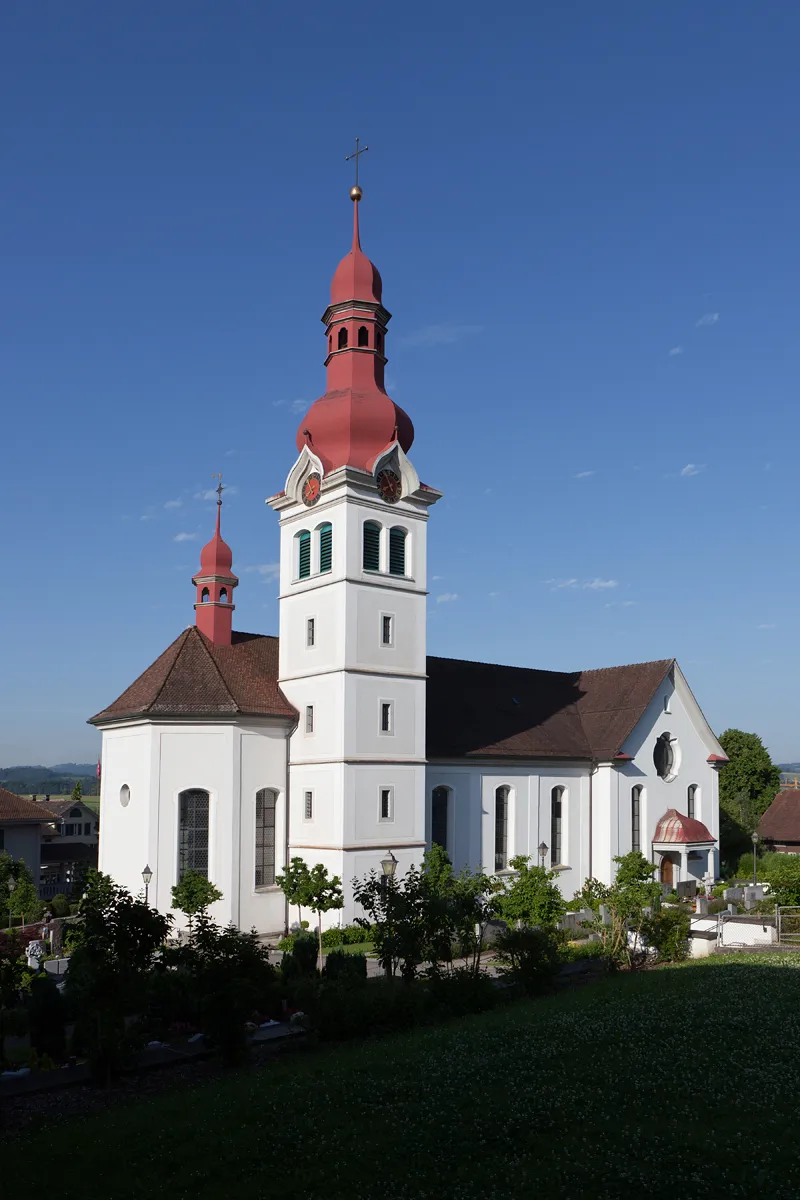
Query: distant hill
[[79, 770], [790, 768], [55, 781]]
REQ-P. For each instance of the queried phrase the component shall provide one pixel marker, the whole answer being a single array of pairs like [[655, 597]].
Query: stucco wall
[[23, 842]]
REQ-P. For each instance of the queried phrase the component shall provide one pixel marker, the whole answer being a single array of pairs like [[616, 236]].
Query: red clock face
[[311, 490], [389, 486]]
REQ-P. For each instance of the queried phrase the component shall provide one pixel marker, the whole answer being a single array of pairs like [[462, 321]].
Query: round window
[[665, 757], [124, 795]]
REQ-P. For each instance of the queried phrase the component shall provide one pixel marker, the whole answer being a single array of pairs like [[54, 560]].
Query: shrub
[[332, 937], [574, 951], [671, 898], [347, 968], [667, 932], [531, 896], [301, 960], [59, 906], [46, 1017], [456, 993], [529, 956]]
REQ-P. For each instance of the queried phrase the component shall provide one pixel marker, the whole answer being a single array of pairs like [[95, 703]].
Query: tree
[[293, 883], [748, 784], [77, 793], [633, 891], [322, 894], [23, 897], [531, 897], [194, 894]]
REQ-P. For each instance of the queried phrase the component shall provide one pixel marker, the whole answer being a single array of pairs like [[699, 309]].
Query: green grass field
[[681, 1081]]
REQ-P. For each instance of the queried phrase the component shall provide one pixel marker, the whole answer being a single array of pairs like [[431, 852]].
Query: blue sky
[[585, 218]]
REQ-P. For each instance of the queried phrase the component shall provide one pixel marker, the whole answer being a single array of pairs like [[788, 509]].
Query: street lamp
[[543, 851], [388, 866], [754, 839], [147, 875]]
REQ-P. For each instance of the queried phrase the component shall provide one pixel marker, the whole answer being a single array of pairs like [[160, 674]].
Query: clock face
[[389, 486], [311, 490]]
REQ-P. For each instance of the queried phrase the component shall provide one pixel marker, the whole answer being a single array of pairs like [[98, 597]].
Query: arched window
[[303, 554], [223, 596], [664, 756], [372, 546], [439, 800], [556, 817], [636, 818], [204, 596], [266, 800], [691, 796], [501, 828], [397, 551], [342, 339], [325, 546], [330, 341], [193, 815], [363, 336], [76, 812]]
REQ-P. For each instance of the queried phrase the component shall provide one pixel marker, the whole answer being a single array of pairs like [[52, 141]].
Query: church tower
[[353, 589]]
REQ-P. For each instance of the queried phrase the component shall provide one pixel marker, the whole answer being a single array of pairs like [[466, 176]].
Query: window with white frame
[[371, 554], [387, 716], [636, 818], [501, 802], [303, 554], [309, 718], [311, 632], [386, 804], [556, 826], [387, 629], [691, 800], [308, 806]]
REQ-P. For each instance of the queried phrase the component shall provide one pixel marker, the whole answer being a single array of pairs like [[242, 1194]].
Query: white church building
[[342, 739]]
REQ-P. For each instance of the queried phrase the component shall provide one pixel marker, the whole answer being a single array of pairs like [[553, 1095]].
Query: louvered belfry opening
[[325, 547], [372, 546], [193, 832], [266, 800], [397, 551], [304, 554]]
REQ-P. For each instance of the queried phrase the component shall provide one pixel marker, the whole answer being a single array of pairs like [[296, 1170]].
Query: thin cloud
[[768, 625], [583, 475], [229, 453], [446, 597], [601, 584], [279, 403], [268, 570], [692, 469], [174, 504], [298, 406], [675, 351], [185, 537], [629, 603], [150, 516], [440, 335], [493, 594], [707, 319], [561, 583], [436, 578], [211, 493]]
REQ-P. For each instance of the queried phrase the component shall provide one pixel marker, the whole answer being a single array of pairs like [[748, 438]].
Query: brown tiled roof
[[482, 710], [193, 677], [20, 808], [781, 821]]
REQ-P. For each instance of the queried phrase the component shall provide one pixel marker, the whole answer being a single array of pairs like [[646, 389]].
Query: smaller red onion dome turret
[[215, 582]]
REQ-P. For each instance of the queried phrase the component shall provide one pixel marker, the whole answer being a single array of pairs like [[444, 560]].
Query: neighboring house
[[22, 823], [72, 850], [779, 828], [343, 739]]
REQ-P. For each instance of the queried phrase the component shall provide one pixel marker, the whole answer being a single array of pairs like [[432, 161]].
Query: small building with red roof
[[779, 828], [22, 824]]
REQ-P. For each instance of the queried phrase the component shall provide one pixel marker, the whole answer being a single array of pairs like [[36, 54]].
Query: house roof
[[781, 821], [483, 710], [60, 808], [194, 677], [20, 809], [675, 827]]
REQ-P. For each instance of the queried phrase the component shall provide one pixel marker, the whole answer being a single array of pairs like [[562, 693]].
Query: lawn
[[682, 1081]]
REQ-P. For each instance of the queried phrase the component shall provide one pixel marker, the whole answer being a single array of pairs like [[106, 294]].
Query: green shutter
[[304, 568], [325, 547], [372, 546], [397, 552]]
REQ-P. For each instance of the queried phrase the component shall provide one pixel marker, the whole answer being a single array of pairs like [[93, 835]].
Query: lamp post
[[388, 866], [755, 840], [543, 852], [147, 875]]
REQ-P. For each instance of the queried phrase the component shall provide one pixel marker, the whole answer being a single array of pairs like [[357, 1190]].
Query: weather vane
[[220, 488], [355, 192]]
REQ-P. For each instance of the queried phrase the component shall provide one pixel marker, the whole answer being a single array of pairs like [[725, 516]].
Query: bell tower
[[353, 589], [215, 582]]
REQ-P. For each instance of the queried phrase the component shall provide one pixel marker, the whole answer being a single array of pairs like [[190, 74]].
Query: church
[[342, 739]]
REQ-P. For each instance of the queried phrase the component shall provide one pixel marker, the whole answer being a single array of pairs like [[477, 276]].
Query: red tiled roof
[[20, 808], [193, 677], [675, 827], [781, 821], [483, 710]]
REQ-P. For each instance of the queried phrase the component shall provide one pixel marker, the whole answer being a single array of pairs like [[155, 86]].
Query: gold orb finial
[[356, 193]]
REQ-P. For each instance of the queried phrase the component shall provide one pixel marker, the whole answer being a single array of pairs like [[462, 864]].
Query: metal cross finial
[[220, 488], [355, 155]]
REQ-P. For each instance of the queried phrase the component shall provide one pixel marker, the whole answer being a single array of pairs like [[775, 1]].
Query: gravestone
[[701, 906], [605, 914], [34, 953], [492, 931], [732, 893], [686, 889]]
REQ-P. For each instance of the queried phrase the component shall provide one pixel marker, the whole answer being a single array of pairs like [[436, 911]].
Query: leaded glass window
[[266, 800], [193, 832]]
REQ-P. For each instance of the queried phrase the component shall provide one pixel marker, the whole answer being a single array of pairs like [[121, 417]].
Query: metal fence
[[789, 924], [735, 931]]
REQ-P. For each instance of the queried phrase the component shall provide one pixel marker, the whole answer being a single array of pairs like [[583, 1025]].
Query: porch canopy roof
[[675, 831]]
